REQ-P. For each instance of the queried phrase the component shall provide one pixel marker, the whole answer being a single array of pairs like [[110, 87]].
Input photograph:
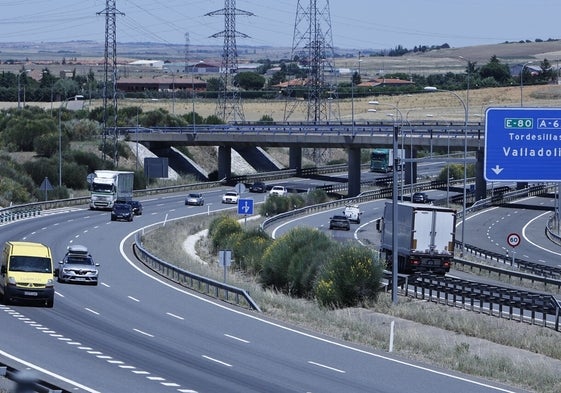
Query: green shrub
[[315, 197], [12, 192], [350, 278], [248, 248], [290, 264], [274, 204], [89, 160], [47, 145], [222, 233]]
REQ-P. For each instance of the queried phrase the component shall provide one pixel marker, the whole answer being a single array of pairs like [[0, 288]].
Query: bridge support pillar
[[480, 182], [354, 172], [410, 167], [295, 159], [224, 162]]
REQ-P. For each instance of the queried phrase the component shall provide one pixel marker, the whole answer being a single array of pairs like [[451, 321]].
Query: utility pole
[[312, 47], [110, 72], [229, 107]]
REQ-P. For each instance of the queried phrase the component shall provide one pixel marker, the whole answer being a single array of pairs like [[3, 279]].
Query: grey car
[[339, 222], [420, 197], [78, 266], [195, 199]]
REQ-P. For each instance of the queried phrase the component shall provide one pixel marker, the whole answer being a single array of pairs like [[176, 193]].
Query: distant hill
[[148, 50], [507, 51]]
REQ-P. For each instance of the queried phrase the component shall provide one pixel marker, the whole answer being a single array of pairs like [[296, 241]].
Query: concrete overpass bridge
[[352, 138]]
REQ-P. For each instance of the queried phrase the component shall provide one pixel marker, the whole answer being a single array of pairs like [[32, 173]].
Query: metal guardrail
[[17, 212], [193, 281], [523, 305], [538, 272], [26, 382]]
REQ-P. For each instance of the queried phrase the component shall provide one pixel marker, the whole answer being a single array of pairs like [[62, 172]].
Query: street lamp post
[[193, 93], [432, 88], [395, 257], [63, 103], [18, 77], [522, 81]]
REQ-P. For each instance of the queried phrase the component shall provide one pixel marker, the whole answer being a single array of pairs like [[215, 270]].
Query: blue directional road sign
[[522, 144], [245, 207]]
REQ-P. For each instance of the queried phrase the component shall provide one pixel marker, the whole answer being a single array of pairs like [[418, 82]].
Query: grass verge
[[515, 353]]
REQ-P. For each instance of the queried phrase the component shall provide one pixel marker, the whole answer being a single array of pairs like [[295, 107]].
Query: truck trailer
[[425, 237], [382, 159], [109, 186]]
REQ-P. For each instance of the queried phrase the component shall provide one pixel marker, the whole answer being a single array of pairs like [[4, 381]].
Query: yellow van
[[27, 273]]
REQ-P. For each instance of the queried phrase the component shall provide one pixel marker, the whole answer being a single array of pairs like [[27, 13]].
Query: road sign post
[[245, 208], [513, 240], [522, 144]]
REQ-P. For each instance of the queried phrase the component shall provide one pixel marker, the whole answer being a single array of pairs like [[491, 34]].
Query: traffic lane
[[147, 348], [320, 220], [533, 233], [495, 224], [128, 317]]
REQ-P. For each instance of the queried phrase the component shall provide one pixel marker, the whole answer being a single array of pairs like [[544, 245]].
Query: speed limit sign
[[513, 239]]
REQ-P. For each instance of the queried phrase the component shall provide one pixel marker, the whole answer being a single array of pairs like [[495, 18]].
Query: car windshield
[[194, 195], [30, 264], [79, 260]]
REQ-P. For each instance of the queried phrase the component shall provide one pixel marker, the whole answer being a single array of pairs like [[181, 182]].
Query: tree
[[249, 81], [214, 85], [547, 73], [356, 79], [494, 69]]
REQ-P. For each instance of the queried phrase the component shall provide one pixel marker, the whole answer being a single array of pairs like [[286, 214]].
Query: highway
[[528, 218], [137, 333]]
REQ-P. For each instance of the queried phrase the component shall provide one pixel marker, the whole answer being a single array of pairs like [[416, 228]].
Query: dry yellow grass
[[417, 107]]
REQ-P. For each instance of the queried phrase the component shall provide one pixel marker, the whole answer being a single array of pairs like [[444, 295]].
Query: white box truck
[[425, 237], [110, 186]]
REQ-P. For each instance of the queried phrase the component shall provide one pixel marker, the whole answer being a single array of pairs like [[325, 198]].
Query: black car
[[258, 186], [122, 211], [339, 222], [136, 207], [420, 197]]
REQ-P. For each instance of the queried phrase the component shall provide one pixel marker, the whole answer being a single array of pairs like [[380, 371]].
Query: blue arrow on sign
[[522, 144], [245, 207]]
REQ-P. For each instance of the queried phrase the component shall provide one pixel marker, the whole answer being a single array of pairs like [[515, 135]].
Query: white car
[[278, 190], [230, 197], [353, 213]]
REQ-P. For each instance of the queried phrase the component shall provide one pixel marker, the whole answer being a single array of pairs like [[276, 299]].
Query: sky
[[360, 24]]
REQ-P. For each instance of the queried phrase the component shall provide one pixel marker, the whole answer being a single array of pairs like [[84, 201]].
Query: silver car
[[78, 266], [195, 198]]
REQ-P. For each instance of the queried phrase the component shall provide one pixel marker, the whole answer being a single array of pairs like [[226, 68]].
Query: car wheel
[[50, 302], [112, 218]]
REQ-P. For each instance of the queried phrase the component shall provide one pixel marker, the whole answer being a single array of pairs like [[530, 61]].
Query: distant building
[[381, 82], [158, 64], [160, 83]]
